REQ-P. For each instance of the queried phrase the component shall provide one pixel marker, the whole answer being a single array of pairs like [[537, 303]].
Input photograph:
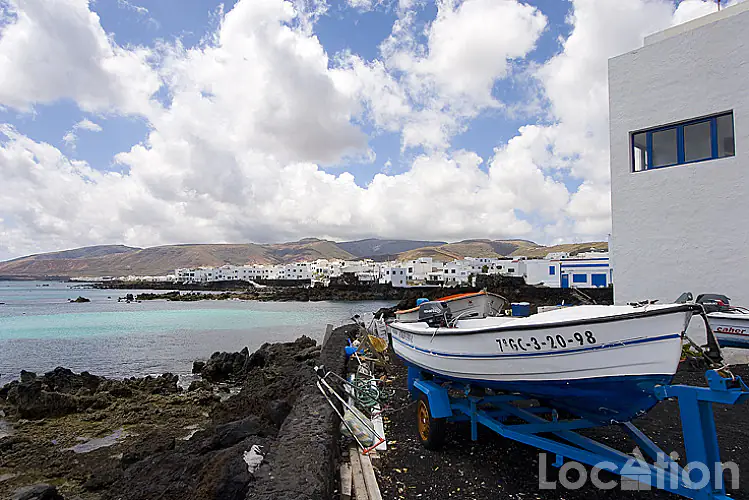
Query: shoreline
[[514, 289]]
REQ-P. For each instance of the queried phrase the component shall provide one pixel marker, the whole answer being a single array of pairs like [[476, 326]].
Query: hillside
[[81, 253], [497, 248], [147, 261], [373, 247], [118, 260], [308, 249]]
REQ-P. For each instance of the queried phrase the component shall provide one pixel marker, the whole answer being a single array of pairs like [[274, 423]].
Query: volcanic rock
[[37, 492]]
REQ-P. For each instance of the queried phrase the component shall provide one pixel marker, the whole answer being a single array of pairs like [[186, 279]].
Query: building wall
[[399, 276], [585, 273], [682, 228], [538, 272]]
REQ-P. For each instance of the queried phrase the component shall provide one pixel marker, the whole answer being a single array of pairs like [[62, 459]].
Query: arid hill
[[497, 248], [119, 260]]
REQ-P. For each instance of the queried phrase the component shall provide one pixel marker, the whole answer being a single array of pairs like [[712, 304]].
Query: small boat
[[463, 305], [730, 323], [598, 362], [731, 327]]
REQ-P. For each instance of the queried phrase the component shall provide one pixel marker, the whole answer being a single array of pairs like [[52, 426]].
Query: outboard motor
[[435, 314], [713, 302]]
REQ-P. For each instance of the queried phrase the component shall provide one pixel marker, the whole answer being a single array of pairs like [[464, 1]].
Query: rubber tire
[[431, 435]]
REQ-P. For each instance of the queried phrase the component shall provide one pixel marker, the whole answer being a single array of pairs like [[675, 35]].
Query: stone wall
[[304, 460]]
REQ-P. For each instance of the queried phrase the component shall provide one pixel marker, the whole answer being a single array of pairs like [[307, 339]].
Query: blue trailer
[[441, 401]]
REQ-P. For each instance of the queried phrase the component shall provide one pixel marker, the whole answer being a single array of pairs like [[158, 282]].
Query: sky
[[151, 122]]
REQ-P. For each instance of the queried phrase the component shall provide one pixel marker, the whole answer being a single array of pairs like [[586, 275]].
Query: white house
[[456, 272], [542, 272], [510, 267], [399, 276], [584, 272], [590, 270], [679, 135]]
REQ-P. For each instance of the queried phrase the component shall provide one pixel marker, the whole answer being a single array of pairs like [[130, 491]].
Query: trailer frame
[[560, 437]]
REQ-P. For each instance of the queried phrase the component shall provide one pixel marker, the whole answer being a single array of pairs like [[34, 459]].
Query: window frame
[[552, 270], [680, 147]]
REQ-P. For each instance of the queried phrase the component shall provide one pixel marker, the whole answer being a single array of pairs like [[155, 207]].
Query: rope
[[389, 410], [364, 392]]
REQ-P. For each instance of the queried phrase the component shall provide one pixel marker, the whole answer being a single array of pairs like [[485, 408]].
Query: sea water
[[40, 329]]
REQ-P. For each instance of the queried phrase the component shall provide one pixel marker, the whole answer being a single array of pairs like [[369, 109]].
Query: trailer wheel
[[431, 430]]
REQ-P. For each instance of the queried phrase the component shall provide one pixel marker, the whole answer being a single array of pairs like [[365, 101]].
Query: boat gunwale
[[565, 352], [445, 331]]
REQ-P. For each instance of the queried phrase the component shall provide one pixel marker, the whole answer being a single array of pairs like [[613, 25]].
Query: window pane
[[640, 151], [664, 148], [726, 145], [697, 142]]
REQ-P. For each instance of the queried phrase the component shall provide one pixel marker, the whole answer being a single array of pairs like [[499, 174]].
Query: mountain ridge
[[121, 260]]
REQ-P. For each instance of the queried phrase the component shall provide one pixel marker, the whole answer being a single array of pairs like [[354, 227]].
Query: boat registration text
[[549, 342]]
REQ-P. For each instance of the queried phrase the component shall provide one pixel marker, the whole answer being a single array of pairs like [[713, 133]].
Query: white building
[[456, 272], [589, 270], [398, 276], [584, 272], [542, 272], [681, 101]]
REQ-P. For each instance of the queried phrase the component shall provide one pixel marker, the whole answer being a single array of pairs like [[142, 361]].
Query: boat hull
[[731, 329], [479, 304], [609, 375]]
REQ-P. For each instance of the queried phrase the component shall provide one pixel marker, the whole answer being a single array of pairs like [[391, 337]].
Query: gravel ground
[[498, 468]]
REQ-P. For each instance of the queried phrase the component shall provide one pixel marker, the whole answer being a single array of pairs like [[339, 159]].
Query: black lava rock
[[37, 492]]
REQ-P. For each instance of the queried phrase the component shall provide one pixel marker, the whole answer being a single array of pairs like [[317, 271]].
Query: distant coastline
[[513, 288]]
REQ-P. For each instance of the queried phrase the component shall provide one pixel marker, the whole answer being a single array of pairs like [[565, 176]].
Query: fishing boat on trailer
[[464, 305], [599, 362]]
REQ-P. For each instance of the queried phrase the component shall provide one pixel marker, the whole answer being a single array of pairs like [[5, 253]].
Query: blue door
[[565, 280], [598, 279]]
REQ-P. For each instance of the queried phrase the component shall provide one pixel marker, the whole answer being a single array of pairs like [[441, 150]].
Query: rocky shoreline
[[515, 289], [89, 438]]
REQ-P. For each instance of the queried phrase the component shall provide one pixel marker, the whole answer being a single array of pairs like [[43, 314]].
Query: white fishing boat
[[729, 323], [601, 362], [731, 327], [464, 305]]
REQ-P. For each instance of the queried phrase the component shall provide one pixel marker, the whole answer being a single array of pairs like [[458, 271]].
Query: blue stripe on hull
[[732, 341], [602, 399]]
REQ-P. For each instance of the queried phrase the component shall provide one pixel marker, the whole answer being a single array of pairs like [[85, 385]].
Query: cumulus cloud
[[256, 109], [57, 49], [448, 78]]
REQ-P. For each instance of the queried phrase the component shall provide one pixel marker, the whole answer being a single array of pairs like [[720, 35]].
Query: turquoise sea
[[40, 329]]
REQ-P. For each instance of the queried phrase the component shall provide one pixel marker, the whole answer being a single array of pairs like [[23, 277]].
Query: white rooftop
[[718, 15]]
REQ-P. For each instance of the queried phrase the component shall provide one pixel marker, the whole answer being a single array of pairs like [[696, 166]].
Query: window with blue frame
[[579, 278], [552, 270], [697, 140]]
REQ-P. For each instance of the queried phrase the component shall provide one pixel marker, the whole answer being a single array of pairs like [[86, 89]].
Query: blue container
[[421, 301], [349, 350], [521, 309]]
